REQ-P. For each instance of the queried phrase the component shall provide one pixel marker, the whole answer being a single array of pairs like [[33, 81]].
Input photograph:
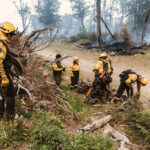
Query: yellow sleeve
[[55, 67], [71, 72], [128, 82], [100, 64], [79, 70], [3, 52]]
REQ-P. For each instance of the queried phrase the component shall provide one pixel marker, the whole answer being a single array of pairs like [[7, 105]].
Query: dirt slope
[[139, 64]]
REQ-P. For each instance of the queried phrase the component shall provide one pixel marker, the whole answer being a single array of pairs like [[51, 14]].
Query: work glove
[[5, 81]]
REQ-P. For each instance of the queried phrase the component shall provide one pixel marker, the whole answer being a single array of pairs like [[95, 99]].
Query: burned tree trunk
[[108, 29], [98, 5], [144, 28]]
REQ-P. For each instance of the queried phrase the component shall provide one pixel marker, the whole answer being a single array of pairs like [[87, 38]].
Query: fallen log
[[123, 140], [97, 124]]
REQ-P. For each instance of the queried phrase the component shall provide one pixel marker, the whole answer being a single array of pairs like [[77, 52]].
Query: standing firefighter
[[57, 70], [75, 72], [7, 101], [103, 71], [128, 78]]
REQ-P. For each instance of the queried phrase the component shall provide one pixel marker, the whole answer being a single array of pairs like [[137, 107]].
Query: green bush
[[139, 122], [87, 37], [13, 133], [73, 39], [89, 142], [47, 137], [92, 37], [46, 118]]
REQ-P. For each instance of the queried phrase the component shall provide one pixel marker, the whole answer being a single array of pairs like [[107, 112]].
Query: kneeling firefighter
[[128, 78], [74, 72], [7, 101], [100, 85]]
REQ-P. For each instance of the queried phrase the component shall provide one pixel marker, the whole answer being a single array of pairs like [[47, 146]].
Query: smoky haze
[[117, 14]]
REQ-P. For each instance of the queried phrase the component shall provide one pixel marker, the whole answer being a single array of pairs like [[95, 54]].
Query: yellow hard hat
[[144, 80], [7, 27], [96, 67], [103, 55], [76, 58]]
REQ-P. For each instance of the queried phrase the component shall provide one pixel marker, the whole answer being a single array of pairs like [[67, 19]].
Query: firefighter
[[57, 70], [7, 101], [100, 85], [104, 64], [74, 72], [128, 78]]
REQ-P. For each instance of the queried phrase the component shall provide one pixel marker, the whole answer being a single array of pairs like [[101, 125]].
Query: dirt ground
[[139, 64]]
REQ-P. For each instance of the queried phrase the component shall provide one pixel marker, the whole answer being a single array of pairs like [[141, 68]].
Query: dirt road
[[139, 64]]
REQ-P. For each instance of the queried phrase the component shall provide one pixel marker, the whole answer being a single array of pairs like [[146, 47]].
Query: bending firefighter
[[100, 85], [7, 101], [57, 69], [128, 78], [74, 72]]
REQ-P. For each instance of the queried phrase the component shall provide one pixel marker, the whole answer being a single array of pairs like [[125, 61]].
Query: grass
[[137, 121], [75, 100]]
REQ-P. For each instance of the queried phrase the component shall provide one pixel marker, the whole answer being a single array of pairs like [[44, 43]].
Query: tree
[[144, 28], [47, 12], [98, 5], [23, 10], [80, 11]]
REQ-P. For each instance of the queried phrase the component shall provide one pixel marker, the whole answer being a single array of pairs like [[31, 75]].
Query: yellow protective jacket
[[74, 67], [131, 80], [3, 53], [102, 64], [57, 66]]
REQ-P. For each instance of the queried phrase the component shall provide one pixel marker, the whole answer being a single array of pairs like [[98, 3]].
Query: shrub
[[73, 39], [92, 37], [89, 142], [139, 121], [47, 137], [125, 35], [12, 133], [87, 37]]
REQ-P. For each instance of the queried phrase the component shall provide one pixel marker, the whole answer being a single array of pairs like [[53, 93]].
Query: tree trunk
[[108, 29], [83, 27], [98, 5], [144, 28], [23, 22]]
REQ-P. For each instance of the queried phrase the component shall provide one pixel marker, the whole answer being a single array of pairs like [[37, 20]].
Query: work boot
[[75, 87], [71, 87]]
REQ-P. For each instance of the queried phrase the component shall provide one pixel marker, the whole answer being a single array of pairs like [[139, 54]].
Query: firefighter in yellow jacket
[[103, 70], [7, 99], [127, 81], [104, 64], [57, 70], [74, 72]]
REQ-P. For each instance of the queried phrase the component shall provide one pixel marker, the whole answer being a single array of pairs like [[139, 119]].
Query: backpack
[[105, 65], [14, 59], [125, 73]]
